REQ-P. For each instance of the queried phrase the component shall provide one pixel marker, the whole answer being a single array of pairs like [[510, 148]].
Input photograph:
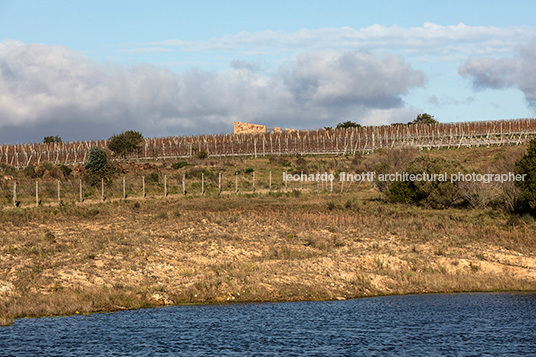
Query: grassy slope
[[261, 247]]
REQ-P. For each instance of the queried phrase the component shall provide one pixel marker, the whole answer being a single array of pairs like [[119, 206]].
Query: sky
[[90, 69]]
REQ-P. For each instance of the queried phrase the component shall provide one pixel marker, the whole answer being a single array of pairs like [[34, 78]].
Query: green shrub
[[527, 166], [153, 177], [126, 143], [92, 211], [424, 118], [29, 171], [52, 139], [50, 237], [7, 169], [387, 161], [47, 170], [43, 168], [517, 220], [179, 165], [280, 160], [65, 170], [301, 165], [351, 204], [404, 192], [98, 166], [195, 173], [202, 155], [345, 125], [435, 193]]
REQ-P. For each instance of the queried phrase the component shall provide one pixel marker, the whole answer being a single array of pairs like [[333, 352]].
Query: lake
[[476, 324]]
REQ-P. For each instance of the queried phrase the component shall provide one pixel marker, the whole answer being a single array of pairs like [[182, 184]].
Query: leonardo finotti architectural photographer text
[[372, 176]]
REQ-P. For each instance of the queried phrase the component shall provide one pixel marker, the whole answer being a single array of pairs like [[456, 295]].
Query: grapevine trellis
[[334, 141]]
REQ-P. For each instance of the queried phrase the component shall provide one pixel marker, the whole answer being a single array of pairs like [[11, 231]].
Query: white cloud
[[147, 50], [249, 65], [57, 90], [453, 42], [513, 72], [331, 79], [449, 101]]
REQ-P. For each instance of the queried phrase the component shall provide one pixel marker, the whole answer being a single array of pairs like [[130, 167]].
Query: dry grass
[[263, 246], [132, 254], [482, 158]]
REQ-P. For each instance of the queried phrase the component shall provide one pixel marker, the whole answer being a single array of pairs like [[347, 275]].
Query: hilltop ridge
[[305, 142]]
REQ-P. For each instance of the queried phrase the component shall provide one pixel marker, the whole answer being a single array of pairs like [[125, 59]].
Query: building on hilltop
[[247, 128]]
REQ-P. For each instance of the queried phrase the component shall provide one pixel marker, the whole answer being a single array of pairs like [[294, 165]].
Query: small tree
[[424, 119], [202, 155], [389, 161], [98, 166], [429, 191], [52, 139], [527, 166], [126, 143], [347, 124]]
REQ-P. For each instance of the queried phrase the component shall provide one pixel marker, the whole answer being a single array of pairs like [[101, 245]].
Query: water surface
[[426, 325]]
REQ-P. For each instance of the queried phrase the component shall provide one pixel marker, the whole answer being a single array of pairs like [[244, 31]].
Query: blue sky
[[90, 69]]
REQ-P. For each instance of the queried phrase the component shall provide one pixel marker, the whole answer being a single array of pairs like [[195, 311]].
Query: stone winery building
[[247, 128]]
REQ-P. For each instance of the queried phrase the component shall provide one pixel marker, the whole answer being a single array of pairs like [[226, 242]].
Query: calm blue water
[[425, 325]]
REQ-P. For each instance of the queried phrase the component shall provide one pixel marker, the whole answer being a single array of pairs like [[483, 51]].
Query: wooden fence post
[[165, 186], [15, 202], [219, 183], [183, 184], [36, 193], [202, 184], [253, 181], [143, 186], [102, 190]]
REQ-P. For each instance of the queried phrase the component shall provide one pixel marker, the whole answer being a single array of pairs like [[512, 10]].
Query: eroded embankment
[[134, 254]]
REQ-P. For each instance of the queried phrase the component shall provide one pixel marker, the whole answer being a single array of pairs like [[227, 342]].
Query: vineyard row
[[334, 141]]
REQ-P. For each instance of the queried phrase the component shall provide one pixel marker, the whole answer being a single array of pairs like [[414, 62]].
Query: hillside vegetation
[[302, 243]]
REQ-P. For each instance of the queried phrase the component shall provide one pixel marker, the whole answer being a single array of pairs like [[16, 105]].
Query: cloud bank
[[498, 73], [452, 42], [52, 90]]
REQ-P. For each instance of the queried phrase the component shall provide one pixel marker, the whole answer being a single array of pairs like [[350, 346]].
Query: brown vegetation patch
[[263, 249]]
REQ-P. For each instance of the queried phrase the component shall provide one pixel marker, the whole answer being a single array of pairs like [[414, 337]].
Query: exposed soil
[[264, 247]]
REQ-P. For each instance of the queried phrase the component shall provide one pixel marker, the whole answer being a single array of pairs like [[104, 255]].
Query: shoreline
[[6, 322]]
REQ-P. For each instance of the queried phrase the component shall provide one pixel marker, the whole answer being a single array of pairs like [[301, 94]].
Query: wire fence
[[310, 142], [28, 193]]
